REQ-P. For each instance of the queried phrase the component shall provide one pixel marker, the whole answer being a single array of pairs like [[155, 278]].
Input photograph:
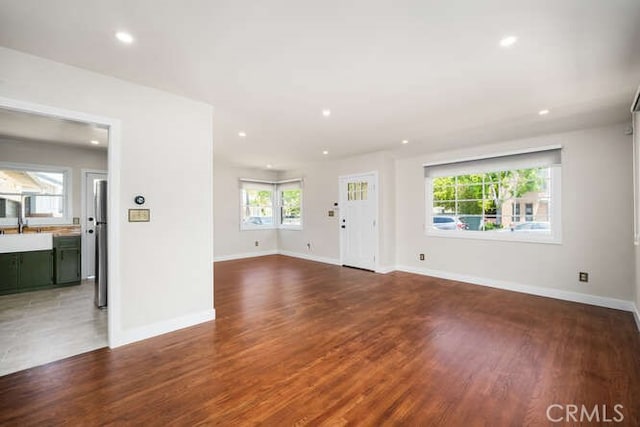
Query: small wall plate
[[139, 215]]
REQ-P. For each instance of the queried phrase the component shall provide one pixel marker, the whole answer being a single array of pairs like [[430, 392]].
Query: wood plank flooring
[[304, 343]]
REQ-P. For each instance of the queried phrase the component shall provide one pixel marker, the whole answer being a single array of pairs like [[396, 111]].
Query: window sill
[[269, 227], [292, 228], [12, 222], [500, 236]]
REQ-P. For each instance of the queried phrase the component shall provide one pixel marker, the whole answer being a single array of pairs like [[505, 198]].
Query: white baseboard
[[615, 303], [159, 328], [301, 255], [311, 257], [385, 269], [245, 255], [636, 315]]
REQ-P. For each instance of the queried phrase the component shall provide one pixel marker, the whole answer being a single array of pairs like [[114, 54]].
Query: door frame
[[83, 213], [114, 329], [374, 176]]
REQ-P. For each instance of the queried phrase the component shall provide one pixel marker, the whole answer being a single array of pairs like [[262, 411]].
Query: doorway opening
[[48, 156]]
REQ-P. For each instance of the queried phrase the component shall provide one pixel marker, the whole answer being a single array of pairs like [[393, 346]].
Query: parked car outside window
[[448, 222]]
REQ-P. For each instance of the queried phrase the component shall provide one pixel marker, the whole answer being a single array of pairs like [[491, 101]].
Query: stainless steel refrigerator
[[101, 244]]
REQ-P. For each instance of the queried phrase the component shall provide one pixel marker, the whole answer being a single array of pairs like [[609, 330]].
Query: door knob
[[343, 226], [90, 218]]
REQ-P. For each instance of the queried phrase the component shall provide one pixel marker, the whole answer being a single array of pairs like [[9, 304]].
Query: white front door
[[358, 220], [89, 224]]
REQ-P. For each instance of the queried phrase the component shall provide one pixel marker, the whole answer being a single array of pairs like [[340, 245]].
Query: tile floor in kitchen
[[42, 326]]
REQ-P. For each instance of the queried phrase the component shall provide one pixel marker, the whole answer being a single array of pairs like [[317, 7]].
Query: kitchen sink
[[25, 242]]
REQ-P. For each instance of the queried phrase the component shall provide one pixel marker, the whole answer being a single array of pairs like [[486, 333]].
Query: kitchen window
[[270, 204], [484, 198], [39, 194]]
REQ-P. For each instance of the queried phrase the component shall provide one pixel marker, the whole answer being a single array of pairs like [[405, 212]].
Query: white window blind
[[535, 159]]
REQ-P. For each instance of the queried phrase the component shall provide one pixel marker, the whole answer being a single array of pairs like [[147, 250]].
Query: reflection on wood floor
[[303, 343]]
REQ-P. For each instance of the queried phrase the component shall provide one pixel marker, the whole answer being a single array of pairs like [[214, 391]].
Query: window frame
[[555, 202], [276, 188], [67, 192], [280, 187], [258, 183]]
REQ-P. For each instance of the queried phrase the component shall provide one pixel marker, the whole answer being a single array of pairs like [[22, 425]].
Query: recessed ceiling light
[[543, 112], [242, 134], [269, 166], [404, 141], [326, 112], [124, 37], [95, 142], [508, 41], [325, 152]]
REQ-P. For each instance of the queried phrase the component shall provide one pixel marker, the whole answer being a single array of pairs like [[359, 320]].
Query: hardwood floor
[[303, 343]]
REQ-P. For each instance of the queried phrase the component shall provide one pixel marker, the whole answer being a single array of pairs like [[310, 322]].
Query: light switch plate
[[139, 215]]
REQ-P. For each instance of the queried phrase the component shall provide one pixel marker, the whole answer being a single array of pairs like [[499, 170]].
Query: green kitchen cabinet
[[35, 269], [8, 273], [68, 261]]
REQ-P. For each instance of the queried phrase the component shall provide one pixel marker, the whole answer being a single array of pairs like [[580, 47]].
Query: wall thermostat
[[139, 200]]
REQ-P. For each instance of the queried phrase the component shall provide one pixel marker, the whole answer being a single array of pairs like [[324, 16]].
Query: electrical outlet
[[421, 257], [309, 246], [257, 243], [583, 277]]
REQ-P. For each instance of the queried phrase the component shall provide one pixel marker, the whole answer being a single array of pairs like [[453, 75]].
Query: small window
[[483, 199], [528, 211], [256, 205], [267, 205], [290, 195], [358, 190], [516, 212], [39, 194]]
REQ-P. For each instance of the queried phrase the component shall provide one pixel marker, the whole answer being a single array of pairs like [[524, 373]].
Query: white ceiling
[[428, 71], [21, 126]]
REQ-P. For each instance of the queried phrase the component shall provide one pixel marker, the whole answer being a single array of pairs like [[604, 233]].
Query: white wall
[[320, 192], [42, 153], [596, 214], [231, 242], [165, 153]]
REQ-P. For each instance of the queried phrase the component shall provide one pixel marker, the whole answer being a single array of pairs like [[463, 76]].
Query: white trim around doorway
[[115, 334]]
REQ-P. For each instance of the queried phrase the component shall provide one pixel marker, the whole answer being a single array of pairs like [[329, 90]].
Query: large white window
[[266, 204], [39, 194], [508, 197]]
